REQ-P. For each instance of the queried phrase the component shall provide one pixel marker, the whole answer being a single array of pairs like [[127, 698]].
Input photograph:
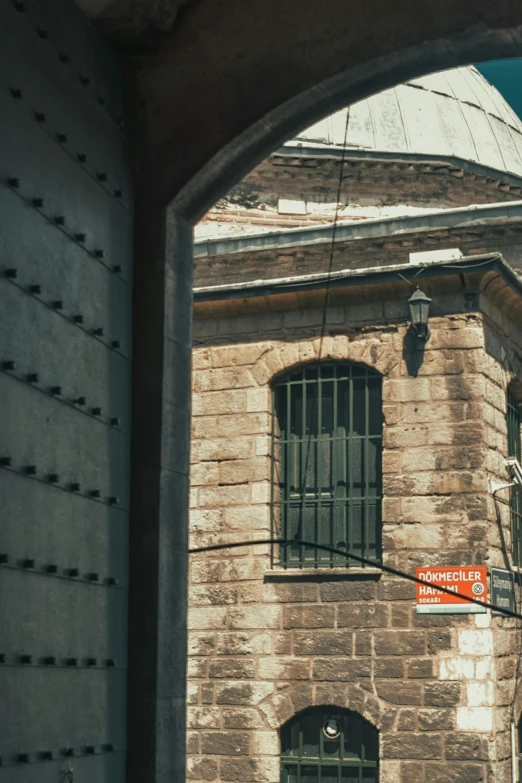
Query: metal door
[[65, 343]]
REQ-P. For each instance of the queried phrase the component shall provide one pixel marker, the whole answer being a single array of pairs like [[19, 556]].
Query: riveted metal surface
[[55, 32], [102, 377], [56, 438], [99, 694], [104, 768], [96, 542], [77, 198], [78, 619], [66, 121], [65, 397]]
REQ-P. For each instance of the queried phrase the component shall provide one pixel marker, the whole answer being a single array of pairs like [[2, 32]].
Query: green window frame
[[513, 420], [309, 755], [327, 464]]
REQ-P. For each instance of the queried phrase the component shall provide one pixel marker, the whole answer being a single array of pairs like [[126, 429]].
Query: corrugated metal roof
[[455, 113]]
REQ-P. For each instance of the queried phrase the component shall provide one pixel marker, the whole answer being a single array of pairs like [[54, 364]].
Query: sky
[[506, 76]]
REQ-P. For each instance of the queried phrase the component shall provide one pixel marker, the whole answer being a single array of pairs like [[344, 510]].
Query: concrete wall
[[264, 644]]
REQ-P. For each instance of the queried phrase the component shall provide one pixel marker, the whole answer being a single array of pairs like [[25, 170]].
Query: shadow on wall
[[413, 349]]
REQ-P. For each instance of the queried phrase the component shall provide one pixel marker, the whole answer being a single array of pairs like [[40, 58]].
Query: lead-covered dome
[[455, 113]]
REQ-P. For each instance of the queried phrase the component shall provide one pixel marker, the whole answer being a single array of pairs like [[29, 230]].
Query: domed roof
[[455, 113]]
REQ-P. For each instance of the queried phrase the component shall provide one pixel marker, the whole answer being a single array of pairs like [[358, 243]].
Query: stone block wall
[[264, 643]]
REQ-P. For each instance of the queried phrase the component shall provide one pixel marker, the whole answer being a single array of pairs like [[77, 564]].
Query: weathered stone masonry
[[264, 644]]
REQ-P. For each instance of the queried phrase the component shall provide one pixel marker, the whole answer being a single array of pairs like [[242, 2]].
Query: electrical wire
[[323, 323], [359, 559]]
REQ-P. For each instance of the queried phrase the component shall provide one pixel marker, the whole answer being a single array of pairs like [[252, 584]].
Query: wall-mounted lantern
[[419, 308]]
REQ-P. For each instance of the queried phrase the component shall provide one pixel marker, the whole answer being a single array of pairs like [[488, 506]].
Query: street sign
[[466, 580], [502, 589]]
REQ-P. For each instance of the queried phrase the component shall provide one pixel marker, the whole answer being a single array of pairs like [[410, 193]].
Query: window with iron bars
[[326, 464], [329, 745], [515, 498]]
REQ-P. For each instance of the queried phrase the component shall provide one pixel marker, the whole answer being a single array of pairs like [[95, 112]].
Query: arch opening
[[329, 745]]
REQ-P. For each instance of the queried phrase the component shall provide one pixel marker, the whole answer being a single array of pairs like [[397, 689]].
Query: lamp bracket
[[497, 486]]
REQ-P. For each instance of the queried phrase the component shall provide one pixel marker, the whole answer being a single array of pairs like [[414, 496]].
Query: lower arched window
[[329, 745]]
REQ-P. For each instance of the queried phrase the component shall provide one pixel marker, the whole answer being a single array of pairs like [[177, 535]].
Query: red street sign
[[466, 580]]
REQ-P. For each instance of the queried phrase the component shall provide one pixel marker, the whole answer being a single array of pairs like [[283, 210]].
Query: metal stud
[[26, 659], [12, 274], [33, 377], [93, 577], [5, 462], [30, 470], [101, 176], [50, 660], [39, 116], [59, 220], [92, 661], [111, 581], [115, 344], [73, 572], [62, 138], [99, 332], [90, 750], [80, 401], [51, 568], [4, 559], [58, 304], [13, 182], [117, 268], [99, 253], [115, 422], [56, 390], [8, 365], [81, 157], [28, 562], [78, 319], [95, 493], [54, 478], [110, 663], [80, 237], [35, 289], [72, 662], [16, 93], [96, 411], [74, 487], [37, 202], [23, 758], [113, 500]]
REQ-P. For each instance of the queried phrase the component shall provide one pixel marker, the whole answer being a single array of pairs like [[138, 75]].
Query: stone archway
[[376, 350]]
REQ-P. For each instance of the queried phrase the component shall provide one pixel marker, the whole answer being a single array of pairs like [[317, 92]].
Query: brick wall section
[[263, 644], [356, 254], [372, 182]]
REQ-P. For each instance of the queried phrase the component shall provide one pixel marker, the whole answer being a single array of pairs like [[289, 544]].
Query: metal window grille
[[326, 463], [514, 450], [308, 755]]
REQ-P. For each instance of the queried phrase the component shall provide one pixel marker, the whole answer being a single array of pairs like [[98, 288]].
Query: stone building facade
[[281, 648]]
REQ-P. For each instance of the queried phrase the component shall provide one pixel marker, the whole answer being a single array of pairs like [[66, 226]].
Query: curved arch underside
[[235, 79]]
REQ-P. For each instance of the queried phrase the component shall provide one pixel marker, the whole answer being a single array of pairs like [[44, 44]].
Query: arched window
[[326, 466], [329, 745], [514, 450]]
